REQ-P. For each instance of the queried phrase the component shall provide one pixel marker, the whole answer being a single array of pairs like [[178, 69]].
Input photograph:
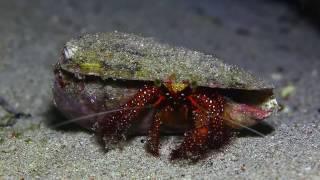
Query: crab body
[[153, 88]]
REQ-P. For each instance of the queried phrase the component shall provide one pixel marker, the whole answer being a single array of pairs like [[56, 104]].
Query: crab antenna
[[248, 128], [95, 115]]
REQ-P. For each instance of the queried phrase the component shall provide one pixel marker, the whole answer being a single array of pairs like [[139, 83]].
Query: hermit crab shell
[[125, 56], [131, 58]]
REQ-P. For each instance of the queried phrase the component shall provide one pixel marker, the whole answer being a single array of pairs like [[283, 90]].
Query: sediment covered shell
[[130, 57]]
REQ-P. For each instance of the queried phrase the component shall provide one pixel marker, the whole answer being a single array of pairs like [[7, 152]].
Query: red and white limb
[[208, 126], [113, 126], [153, 142]]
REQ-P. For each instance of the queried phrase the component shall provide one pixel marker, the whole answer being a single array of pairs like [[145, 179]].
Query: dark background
[[276, 40]]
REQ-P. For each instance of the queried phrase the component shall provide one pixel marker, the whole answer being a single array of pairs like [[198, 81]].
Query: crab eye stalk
[[157, 82], [193, 84]]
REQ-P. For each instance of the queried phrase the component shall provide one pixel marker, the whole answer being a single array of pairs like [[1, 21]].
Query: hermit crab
[[119, 85]]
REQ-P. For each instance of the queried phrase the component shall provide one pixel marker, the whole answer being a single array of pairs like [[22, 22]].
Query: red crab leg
[[153, 142], [113, 126], [208, 126]]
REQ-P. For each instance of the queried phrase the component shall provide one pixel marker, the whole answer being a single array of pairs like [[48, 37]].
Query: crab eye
[[193, 84], [157, 82]]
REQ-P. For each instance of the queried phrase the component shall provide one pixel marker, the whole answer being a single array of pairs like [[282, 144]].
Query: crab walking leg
[[221, 133], [208, 126], [153, 142], [113, 126], [194, 142]]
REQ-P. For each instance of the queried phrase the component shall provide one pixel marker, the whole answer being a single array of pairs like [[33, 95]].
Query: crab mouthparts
[[176, 87]]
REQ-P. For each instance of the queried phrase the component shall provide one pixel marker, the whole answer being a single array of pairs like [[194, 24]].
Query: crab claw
[[239, 115]]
